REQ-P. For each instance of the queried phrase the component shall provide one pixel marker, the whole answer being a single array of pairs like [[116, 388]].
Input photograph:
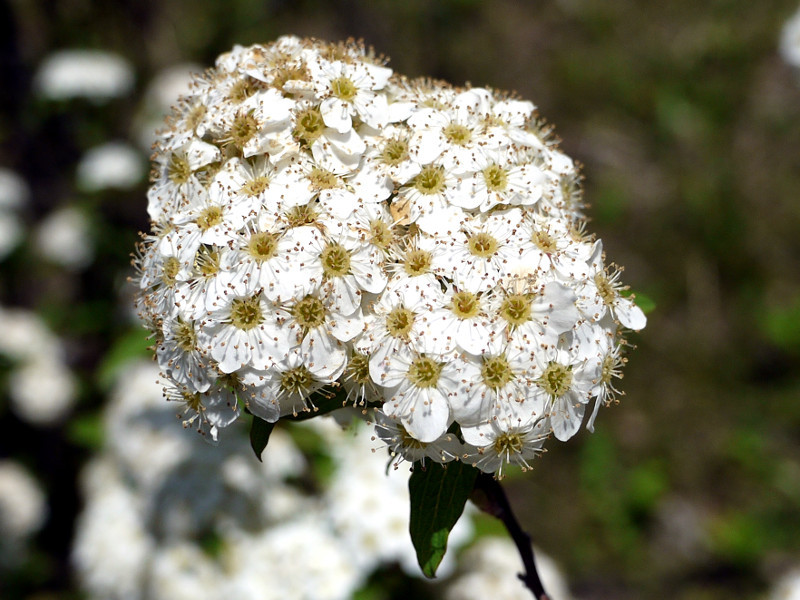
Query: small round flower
[[498, 442], [418, 389]]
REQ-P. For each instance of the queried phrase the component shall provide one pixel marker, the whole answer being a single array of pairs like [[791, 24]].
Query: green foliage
[[781, 325], [86, 431], [438, 495]]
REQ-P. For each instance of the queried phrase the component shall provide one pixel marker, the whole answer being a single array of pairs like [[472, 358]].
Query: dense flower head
[[319, 222]]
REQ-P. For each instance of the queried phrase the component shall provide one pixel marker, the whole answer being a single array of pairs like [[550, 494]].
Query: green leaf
[[438, 495], [260, 430]]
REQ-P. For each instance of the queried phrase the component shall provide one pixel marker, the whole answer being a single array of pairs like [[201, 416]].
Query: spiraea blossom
[[325, 228]]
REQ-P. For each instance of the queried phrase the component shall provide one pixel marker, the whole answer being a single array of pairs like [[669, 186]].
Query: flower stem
[[492, 499]]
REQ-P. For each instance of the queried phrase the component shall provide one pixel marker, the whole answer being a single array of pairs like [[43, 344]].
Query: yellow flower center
[[394, 152], [209, 217], [605, 289], [508, 443], [309, 312], [430, 180], [243, 128], [262, 246], [417, 262], [335, 260], [516, 309], [344, 88], [308, 126], [424, 372], [556, 379], [185, 337], [465, 305], [256, 186], [206, 261], [457, 134], [178, 169], [482, 245], [170, 270], [246, 313], [358, 368], [399, 322], [297, 380], [496, 178], [380, 233], [496, 372]]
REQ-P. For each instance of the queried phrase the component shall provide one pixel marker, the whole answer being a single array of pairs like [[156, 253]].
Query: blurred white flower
[[94, 74], [14, 194], [788, 587], [494, 564], [299, 559], [64, 237], [10, 232], [790, 40], [184, 571], [113, 165], [23, 507], [42, 390], [112, 548], [25, 335]]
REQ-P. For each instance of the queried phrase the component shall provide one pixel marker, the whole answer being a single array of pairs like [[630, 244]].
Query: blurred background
[[686, 118]]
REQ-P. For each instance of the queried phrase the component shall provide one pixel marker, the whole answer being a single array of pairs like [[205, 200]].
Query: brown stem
[[495, 502]]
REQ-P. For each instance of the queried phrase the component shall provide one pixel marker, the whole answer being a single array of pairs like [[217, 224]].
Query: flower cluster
[[320, 224]]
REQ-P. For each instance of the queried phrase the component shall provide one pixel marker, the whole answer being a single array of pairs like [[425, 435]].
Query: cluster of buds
[[321, 225]]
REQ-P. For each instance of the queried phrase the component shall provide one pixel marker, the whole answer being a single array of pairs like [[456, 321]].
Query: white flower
[[500, 442], [498, 387], [23, 506], [112, 165], [42, 390], [787, 587], [789, 45], [14, 191], [349, 90], [244, 332], [563, 384], [111, 544], [480, 255], [177, 184], [93, 74], [64, 237], [403, 446], [418, 389], [14, 194], [25, 335], [602, 295], [495, 563]]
